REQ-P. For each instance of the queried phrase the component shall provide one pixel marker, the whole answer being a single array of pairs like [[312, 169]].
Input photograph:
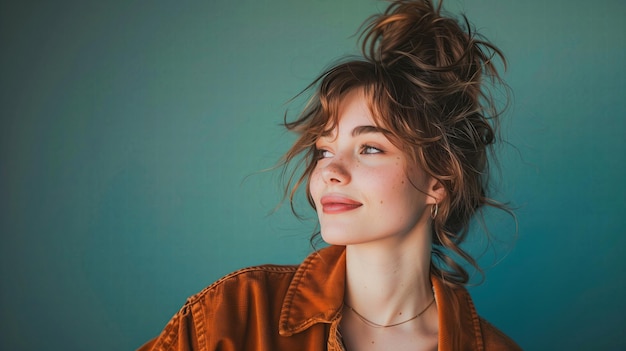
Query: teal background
[[133, 132]]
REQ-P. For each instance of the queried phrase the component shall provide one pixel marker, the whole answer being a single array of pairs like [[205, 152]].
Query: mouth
[[333, 204]]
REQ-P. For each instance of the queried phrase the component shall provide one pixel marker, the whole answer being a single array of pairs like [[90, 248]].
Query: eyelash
[[363, 149], [319, 153]]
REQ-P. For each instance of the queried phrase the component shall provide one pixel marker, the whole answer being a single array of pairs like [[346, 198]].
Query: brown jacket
[[293, 308]]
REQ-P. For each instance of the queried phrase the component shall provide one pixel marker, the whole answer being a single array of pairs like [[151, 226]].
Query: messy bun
[[427, 78]]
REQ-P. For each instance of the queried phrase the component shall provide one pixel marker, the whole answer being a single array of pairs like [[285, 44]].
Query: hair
[[428, 79]]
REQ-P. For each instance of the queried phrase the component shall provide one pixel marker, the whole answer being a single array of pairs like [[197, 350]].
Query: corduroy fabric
[[276, 308]]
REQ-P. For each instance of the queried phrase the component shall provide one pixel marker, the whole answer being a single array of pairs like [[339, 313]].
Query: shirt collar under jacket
[[316, 293]]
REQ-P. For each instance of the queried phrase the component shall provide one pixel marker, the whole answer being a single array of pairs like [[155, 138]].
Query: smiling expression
[[363, 187]]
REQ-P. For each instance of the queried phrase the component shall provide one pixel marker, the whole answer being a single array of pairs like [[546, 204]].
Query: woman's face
[[362, 186]]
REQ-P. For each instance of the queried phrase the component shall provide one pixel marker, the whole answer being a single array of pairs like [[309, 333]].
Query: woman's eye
[[367, 149], [321, 153]]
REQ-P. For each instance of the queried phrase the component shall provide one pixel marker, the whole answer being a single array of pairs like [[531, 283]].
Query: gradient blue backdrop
[[128, 129]]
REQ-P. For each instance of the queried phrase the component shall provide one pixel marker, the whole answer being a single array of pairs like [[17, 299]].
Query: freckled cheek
[[315, 174], [315, 180], [386, 187]]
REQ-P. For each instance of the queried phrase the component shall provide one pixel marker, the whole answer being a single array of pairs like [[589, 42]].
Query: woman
[[395, 151]]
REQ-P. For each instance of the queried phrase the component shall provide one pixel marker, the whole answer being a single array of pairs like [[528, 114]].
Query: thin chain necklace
[[376, 325]]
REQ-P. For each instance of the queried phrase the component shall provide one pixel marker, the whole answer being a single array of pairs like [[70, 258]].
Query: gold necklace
[[376, 325]]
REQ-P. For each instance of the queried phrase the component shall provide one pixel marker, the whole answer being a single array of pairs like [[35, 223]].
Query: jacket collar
[[316, 293], [459, 324]]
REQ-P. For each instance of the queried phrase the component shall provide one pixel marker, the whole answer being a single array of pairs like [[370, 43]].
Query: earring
[[434, 210]]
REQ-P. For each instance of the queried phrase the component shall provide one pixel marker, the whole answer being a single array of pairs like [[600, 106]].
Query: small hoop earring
[[434, 210]]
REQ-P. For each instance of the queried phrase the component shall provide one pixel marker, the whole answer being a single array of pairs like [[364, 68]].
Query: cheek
[[315, 182], [389, 187]]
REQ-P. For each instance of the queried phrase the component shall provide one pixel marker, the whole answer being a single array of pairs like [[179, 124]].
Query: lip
[[334, 204]]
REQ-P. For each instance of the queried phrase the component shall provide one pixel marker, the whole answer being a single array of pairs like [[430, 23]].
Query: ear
[[436, 192]]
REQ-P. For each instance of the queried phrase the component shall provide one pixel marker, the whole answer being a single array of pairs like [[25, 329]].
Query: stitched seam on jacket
[[335, 340], [266, 268], [291, 292], [475, 323], [197, 314]]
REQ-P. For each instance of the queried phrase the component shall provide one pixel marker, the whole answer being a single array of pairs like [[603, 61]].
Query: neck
[[389, 284]]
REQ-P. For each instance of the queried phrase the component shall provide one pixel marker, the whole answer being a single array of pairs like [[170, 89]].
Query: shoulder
[[222, 309], [494, 339], [268, 277]]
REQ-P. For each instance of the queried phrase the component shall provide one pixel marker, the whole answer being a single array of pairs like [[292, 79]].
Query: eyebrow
[[369, 129], [360, 130]]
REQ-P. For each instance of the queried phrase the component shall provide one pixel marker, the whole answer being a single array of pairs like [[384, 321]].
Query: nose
[[336, 172]]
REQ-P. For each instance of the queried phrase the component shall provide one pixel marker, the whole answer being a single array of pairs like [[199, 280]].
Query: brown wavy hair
[[429, 79]]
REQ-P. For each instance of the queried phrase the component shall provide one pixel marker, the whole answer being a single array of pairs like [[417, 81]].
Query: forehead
[[352, 110]]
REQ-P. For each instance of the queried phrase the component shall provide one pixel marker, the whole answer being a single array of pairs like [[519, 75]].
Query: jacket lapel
[[315, 294], [459, 324]]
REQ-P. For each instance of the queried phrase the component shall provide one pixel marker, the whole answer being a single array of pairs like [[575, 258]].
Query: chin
[[340, 237], [333, 238]]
